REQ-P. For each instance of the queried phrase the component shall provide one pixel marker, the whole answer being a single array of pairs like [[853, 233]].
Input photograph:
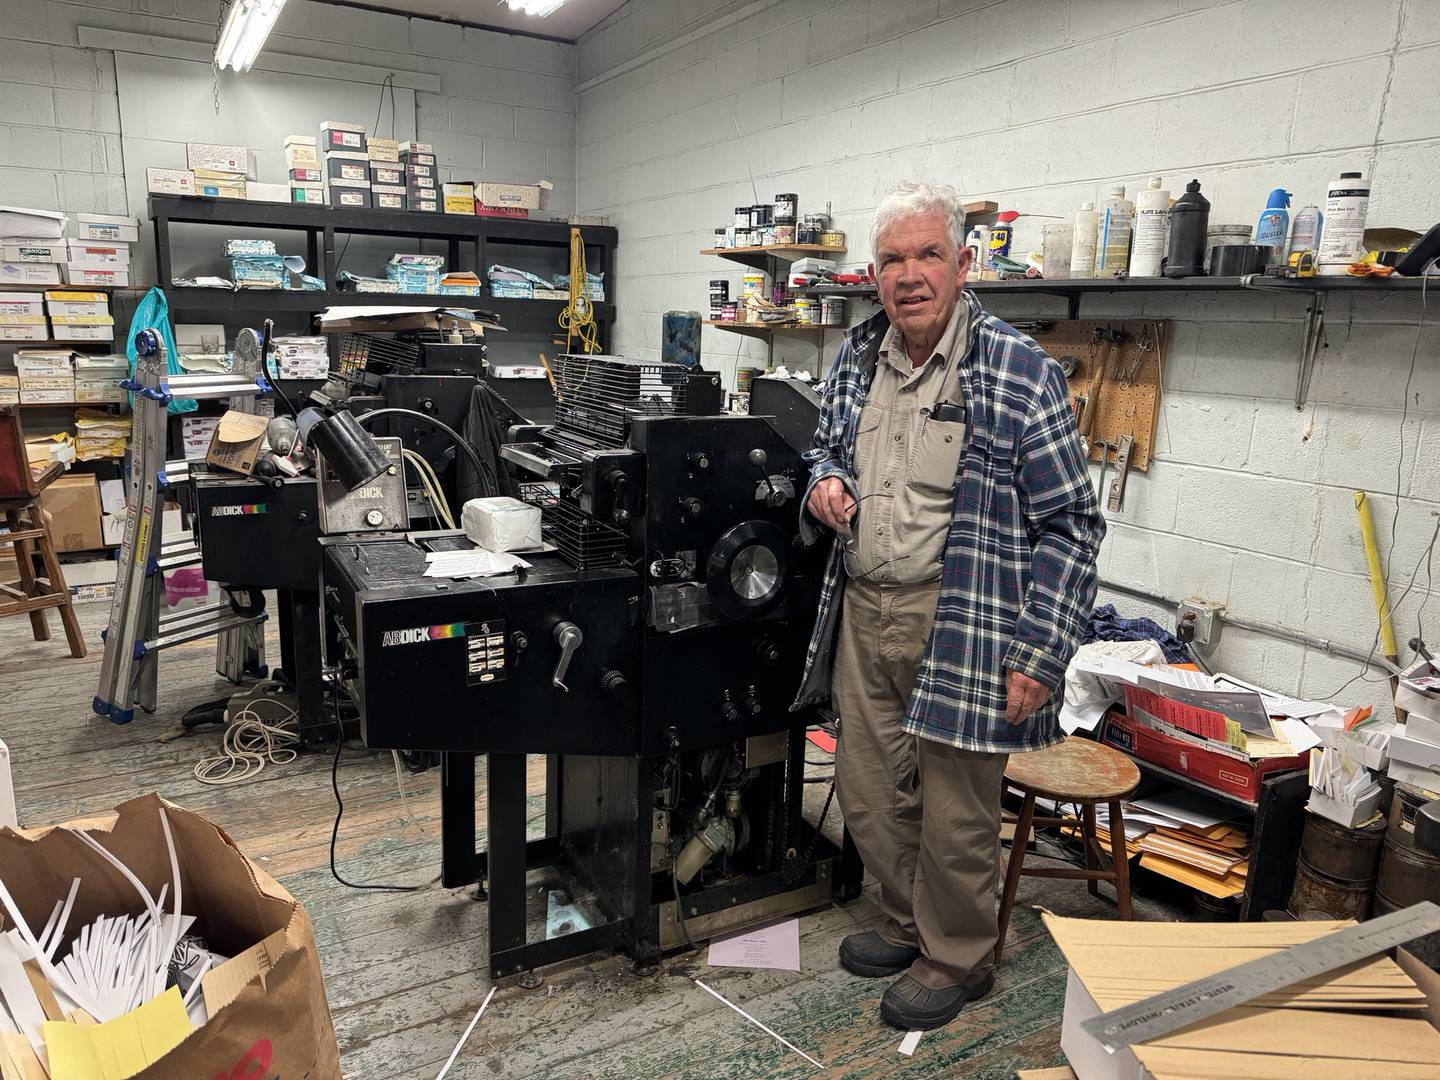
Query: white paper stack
[[1341, 789], [98, 378], [47, 376], [502, 523], [31, 249], [301, 358]]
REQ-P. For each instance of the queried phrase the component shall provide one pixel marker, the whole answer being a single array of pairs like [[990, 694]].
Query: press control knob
[[569, 638], [374, 518], [615, 685], [767, 652], [730, 711], [692, 504], [699, 460], [758, 458], [751, 703]]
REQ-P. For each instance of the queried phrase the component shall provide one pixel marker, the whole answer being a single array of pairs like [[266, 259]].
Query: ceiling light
[[247, 25], [538, 8]]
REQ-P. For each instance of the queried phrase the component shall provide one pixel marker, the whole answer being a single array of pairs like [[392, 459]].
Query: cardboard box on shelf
[[235, 446], [69, 304], [8, 381], [218, 157], [257, 192], [22, 320], [9, 397], [170, 181], [73, 503], [340, 135], [83, 333], [350, 198], [34, 251], [387, 175], [307, 175], [101, 253], [96, 275], [46, 397], [21, 303], [101, 395], [45, 361], [518, 196], [24, 333], [57, 321], [18, 273], [459, 199], [422, 206], [93, 580], [48, 382], [107, 227], [347, 166], [309, 194]]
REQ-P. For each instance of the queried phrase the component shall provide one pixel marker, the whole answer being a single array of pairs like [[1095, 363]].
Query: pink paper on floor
[[775, 946]]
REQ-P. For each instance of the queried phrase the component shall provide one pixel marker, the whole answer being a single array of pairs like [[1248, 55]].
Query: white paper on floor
[[775, 946]]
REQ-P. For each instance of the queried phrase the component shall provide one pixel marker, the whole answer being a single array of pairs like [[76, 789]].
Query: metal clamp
[[569, 638]]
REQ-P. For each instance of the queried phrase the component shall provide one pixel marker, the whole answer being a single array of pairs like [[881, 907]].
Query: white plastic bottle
[[1152, 224], [1112, 247], [1342, 242], [1082, 251]]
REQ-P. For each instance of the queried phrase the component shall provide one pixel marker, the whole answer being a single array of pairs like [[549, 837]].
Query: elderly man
[[948, 466]]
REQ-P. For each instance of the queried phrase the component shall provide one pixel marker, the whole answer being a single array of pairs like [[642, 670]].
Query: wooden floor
[[404, 971]]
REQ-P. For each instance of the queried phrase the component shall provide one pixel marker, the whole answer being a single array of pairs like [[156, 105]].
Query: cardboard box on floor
[[267, 1007], [73, 504], [1115, 963], [235, 446]]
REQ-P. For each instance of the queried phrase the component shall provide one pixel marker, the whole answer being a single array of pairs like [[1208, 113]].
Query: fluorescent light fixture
[[247, 25], [538, 8]]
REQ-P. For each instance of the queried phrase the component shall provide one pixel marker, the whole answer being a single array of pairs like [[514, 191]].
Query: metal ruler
[[1174, 1009]]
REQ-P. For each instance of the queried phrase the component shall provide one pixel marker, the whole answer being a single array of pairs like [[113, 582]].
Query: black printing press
[[650, 652]]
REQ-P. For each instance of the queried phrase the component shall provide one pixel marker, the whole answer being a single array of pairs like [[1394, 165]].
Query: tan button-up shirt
[[906, 460]]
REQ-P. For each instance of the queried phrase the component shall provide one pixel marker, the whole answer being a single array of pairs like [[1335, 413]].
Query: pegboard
[[1121, 379]]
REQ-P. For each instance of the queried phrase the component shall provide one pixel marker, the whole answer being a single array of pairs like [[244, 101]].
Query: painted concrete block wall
[[505, 110], [1041, 104]]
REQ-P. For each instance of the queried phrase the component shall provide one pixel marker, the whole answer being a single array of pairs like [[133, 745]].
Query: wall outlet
[[1198, 622]]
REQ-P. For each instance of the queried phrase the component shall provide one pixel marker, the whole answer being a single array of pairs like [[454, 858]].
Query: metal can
[[832, 239], [742, 217], [785, 207], [784, 234], [721, 237]]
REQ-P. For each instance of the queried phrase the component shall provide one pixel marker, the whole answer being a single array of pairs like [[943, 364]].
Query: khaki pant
[[925, 816]]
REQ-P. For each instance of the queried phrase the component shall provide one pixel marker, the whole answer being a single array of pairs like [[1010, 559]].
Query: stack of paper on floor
[[1366, 1021]]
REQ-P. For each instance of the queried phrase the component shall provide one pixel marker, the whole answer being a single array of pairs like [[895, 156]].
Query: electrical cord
[[431, 483], [389, 81], [340, 807], [248, 743], [460, 444]]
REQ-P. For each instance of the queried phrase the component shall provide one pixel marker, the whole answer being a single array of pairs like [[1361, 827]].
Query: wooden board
[[1126, 400]]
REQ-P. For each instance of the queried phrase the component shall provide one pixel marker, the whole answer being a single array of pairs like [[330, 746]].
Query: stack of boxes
[[101, 254], [32, 262], [421, 191], [9, 388], [347, 164], [307, 180], [100, 435], [47, 376], [22, 317], [300, 358], [98, 379], [219, 169], [387, 175], [83, 316]]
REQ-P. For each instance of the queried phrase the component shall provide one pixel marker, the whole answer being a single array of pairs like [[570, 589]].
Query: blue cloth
[[153, 313], [1019, 575], [1107, 625]]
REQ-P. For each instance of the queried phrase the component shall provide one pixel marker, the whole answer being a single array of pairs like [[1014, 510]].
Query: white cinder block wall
[[505, 110], [1041, 104]]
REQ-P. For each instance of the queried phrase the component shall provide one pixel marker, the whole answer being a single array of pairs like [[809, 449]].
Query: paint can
[[761, 215], [722, 238], [807, 311], [744, 377], [784, 234], [752, 284], [719, 297], [777, 294], [832, 311], [729, 312], [812, 228], [1338, 898], [785, 206], [767, 236], [833, 239], [1343, 853], [1222, 235], [742, 217]]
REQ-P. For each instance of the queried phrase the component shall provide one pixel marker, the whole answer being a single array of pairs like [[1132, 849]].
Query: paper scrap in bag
[[121, 1047], [473, 563], [775, 946]]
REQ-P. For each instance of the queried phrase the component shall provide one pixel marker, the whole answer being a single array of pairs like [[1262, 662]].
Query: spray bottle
[[1305, 234], [1082, 251], [1112, 249], [1274, 225], [1152, 224], [1001, 233]]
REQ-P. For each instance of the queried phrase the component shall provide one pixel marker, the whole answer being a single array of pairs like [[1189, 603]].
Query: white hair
[[912, 198]]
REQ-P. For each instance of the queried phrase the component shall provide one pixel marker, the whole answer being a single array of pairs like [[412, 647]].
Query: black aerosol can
[[1189, 224]]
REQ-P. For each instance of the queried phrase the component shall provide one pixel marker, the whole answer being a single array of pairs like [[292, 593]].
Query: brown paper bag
[[278, 1024]]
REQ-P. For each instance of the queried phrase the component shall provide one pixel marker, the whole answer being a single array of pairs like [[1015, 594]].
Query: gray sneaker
[[873, 957]]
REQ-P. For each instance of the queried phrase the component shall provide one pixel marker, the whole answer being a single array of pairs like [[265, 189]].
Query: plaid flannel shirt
[[1019, 574]]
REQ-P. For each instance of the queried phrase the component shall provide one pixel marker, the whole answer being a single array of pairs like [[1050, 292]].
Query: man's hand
[[832, 505], [1023, 695]]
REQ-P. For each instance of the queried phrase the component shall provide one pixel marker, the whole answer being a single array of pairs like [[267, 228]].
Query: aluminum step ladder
[[137, 631]]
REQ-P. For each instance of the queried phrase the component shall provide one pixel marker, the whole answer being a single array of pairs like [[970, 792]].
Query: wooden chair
[[1076, 771], [20, 488]]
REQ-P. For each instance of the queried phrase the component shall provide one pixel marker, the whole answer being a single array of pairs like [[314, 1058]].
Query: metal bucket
[[1341, 853], [1338, 899], [1407, 874]]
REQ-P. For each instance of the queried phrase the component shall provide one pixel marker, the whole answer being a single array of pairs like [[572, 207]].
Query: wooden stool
[[1076, 771], [20, 489]]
